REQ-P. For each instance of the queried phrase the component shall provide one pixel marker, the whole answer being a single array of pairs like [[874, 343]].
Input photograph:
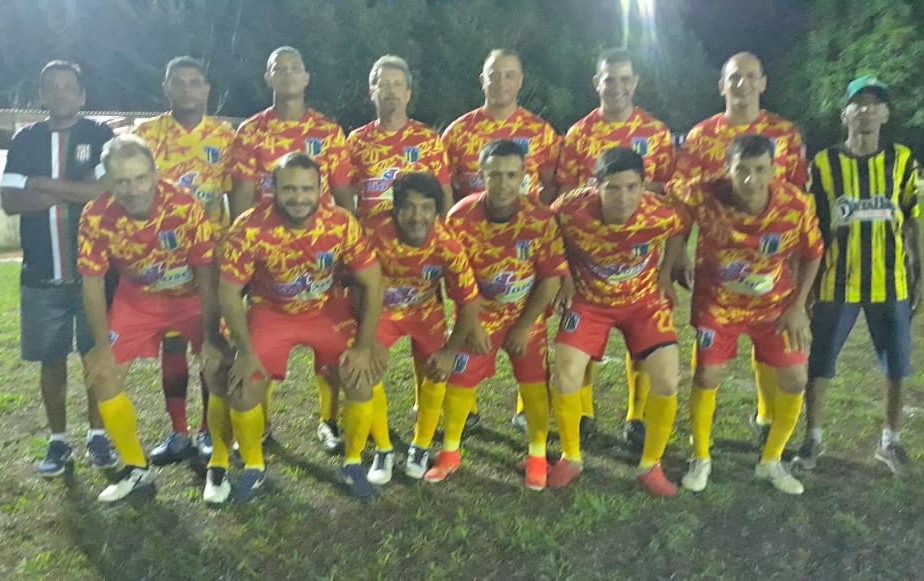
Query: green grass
[[855, 521]]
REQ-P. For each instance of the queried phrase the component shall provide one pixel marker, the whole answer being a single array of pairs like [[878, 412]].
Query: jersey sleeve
[[811, 244], [92, 243], [439, 162], [566, 172], [358, 253], [351, 142], [18, 167], [909, 195], [202, 247], [796, 164], [338, 160], [546, 156], [460, 278], [238, 256], [819, 203], [660, 161], [550, 260], [689, 160], [450, 141], [681, 198], [243, 156]]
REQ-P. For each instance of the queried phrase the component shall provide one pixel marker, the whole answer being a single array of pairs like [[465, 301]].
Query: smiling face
[[615, 84], [415, 218], [133, 184], [743, 81], [390, 92], [187, 91], [621, 193], [502, 178], [62, 94], [501, 81], [297, 194], [750, 177], [865, 114]]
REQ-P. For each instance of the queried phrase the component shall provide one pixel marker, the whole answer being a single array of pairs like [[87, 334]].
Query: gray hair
[[393, 62], [125, 146]]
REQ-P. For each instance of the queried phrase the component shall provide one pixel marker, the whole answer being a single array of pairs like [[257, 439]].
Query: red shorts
[[644, 327], [328, 332], [532, 367], [716, 344], [137, 327], [428, 334]]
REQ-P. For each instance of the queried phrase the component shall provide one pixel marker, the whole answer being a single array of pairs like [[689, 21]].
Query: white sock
[[816, 433], [889, 437], [60, 437]]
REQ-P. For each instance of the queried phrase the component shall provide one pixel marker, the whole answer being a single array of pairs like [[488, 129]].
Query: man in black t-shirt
[[49, 176]]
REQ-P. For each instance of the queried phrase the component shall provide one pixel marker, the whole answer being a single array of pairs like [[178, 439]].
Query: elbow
[[10, 207]]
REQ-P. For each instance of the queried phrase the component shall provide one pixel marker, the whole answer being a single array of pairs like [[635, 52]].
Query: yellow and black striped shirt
[[862, 204]]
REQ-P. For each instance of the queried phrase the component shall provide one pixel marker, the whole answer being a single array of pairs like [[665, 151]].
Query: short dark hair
[[618, 159], [295, 159], [749, 146], [501, 148], [613, 56], [185, 62], [62, 65], [417, 181]]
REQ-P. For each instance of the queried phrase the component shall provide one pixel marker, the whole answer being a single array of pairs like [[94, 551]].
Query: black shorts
[[51, 318]]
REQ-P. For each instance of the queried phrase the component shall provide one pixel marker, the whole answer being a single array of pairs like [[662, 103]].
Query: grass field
[[855, 521]]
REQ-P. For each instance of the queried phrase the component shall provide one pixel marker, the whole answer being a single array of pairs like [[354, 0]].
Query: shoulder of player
[[534, 211], [361, 132], [216, 125], [149, 125], [528, 115], [650, 120], [420, 128], [584, 123], [255, 122], [465, 206], [461, 123], [175, 196], [778, 121], [572, 198], [790, 196], [100, 206]]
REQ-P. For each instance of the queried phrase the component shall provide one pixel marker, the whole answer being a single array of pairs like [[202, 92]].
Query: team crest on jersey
[[412, 154], [523, 142], [461, 362], [324, 260], [640, 145], [313, 147], [82, 153], [212, 154], [705, 338], [432, 271], [639, 250], [168, 240], [188, 179], [570, 321], [524, 249], [769, 244]]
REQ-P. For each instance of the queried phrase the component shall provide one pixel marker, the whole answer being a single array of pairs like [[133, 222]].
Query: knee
[[706, 377], [792, 380], [249, 396], [664, 383]]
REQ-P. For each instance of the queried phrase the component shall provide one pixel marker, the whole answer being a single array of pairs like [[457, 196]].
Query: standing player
[[518, 258], [158, 238], [49, 176], [393, 142], [615, 235], [617, 122], [872, 261], [756, 258], [417, 252], [292, 251], [289, 126], [703, 155], [194, 151]]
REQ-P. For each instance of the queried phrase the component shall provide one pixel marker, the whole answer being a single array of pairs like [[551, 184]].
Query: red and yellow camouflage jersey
[[508, 258], [466, 137], [377, 156], [153, 256], [591, 136], [743, 262], [703, 152], [615, 265], [411, 276], [198, 159], [294, 271], [264, 138]]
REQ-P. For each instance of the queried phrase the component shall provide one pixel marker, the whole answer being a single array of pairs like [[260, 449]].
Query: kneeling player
[[615, 234], [756, 258], [159, 240], [292, 249], [517, 255], [416, 252]]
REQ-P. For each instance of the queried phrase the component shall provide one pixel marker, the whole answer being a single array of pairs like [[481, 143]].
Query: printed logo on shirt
[[769, 244], [874, 209], [524, 249], [640, 145], [411, 154], [461, 363], [432, 271], [188, 179], [705, 338], [639, 250], [168, 240], [313, 147], [324, 260], [570, 321], [82, 153], [212, 154]]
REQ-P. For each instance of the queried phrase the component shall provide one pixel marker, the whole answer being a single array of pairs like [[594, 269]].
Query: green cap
[[869, 84]]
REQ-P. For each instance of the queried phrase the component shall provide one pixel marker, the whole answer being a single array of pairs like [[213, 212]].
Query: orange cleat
[[537, 472], [563, 473], [656, 483], [446, 463]]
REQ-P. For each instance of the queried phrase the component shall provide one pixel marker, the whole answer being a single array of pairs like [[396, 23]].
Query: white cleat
[[779, 476], [697, 477], [382, 467], [217, 486], [131, 478]]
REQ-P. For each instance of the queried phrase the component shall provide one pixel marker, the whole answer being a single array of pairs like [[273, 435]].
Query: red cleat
[[656, 483], [446, 463], [563, 472], [537, 472]]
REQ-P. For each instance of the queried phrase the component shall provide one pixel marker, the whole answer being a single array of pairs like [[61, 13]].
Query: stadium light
[[647, 13]]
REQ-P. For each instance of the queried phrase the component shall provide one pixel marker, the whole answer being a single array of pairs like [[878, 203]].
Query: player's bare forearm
[[235, 314], [23, 201], [540, 299], [674, 250], [207, 283], [240, 198], [94, 303], [548, 189], [370, 279], [345, 196], [466, 319], [77, 192], [915, 250], [805, 282]]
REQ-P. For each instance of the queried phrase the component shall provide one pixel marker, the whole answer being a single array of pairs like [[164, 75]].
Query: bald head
[[738, 58], [742, 83]]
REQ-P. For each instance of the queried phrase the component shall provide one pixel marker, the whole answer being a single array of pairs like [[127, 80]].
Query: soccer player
[[518, 258], [48, 178], [866, 197], [158, 238], [615, 236], [393, 142], [289, 126], [292, 251], [193, 151], [617, 122], [758, 251], [417, 252], [703, 155]]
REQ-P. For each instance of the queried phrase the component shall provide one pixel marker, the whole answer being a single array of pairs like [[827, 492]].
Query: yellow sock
[[587, 390], [268, 401], [521, 408], [379, 428], [428, 412], [222, 432], [419, 378], [787, 407], [474, 409], [357, 420], [456, 406], [568, 415], [121, 424], [248, 429], [660, 414], [765, 380], [702, 408], [325, 399], [535, 398]]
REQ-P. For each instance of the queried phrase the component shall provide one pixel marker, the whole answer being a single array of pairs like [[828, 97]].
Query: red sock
[[175, 377], [204, 425]]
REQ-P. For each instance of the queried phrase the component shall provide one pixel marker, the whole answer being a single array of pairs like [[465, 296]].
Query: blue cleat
[[248, 485], [100, 453], [356, 482], [56, 460]]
